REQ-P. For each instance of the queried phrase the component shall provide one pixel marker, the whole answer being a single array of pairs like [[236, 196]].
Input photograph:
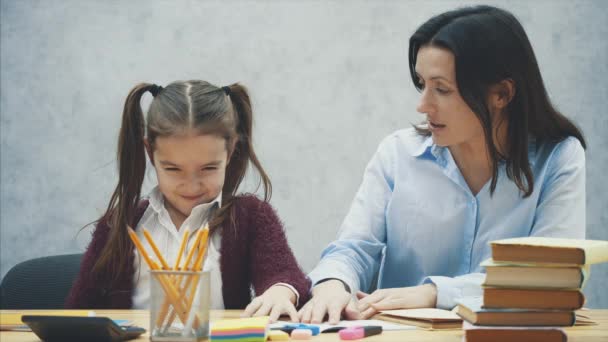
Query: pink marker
[[301, 334], [355, 333]]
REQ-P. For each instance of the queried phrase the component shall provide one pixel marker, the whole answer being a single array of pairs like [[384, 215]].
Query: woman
[[493, 160]]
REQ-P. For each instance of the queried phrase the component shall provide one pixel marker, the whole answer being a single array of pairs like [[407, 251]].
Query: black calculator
[[69, 328]]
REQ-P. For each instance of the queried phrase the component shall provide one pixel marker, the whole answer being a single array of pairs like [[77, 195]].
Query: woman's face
[[190, 169], [450, 120]]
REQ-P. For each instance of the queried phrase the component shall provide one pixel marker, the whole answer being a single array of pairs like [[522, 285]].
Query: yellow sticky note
[[260, 323], [277, 335]]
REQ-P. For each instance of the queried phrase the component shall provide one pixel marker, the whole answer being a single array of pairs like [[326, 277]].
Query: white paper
[[386, 326]]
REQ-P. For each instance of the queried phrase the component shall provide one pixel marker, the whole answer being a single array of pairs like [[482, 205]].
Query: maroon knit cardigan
[[254, 252]]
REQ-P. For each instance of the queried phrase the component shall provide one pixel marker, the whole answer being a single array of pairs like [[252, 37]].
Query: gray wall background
[[328, 79]]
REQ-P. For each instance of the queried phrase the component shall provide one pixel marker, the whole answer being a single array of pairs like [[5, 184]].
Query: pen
[[288, 328], [355, 333]]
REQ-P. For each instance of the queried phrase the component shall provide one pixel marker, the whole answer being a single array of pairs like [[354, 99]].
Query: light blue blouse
[[415, 220]]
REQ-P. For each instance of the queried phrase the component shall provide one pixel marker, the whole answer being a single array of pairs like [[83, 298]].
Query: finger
[[275, 313], [306, 312], [361, 294], [391, 304], [293, 314], [318, 313], [351, 312], [252, 307], [368, 313], [334, 311], [301, 311], [362, 305], [372, 298], [263, 310]]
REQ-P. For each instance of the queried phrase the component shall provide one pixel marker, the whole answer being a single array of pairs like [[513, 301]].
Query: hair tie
[[226, 90], [155, 89]]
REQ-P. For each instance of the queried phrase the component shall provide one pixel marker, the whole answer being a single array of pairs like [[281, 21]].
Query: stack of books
[[531, 282]]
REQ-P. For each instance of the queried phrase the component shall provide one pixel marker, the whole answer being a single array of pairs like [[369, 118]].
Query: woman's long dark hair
[[490, 45], [181, 106]]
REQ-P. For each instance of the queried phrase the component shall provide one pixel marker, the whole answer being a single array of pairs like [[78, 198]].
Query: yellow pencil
[[192, 250], [198, 266], [202, 247], [170, 290], [140, 247], [199, 258], [181, 249], [178, 280], [155, 249]]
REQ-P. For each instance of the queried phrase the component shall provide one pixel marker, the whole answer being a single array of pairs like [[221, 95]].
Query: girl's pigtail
[[131, 157], [243, 149], [240, 157]]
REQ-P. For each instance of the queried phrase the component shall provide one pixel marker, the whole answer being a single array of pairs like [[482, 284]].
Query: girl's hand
[[275, 301], [329, 299], [422, 296]]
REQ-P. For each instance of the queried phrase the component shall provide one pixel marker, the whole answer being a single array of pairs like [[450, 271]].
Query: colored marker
[[355, 333], [288, 328]]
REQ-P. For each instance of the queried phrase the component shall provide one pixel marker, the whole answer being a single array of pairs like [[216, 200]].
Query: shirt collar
[[424, 148], [428, 149]]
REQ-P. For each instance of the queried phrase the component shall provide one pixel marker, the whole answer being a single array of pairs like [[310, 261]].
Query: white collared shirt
[[415, 220], [168, 238]]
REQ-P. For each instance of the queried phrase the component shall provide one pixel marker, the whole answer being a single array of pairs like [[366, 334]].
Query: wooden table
[[588, 333]]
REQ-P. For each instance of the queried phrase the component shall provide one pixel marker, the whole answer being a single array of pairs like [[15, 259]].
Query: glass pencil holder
[[179, 305]]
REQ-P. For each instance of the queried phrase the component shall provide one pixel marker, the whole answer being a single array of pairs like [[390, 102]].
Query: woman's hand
[[422, 296], [275, 301], [329, 298]]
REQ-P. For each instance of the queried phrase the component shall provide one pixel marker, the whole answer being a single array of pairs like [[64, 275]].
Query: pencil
[[198, 266], [192, 250], [164, 264], [170, 290], [165, 307], [181, 249], [202, 247], [139, 246]]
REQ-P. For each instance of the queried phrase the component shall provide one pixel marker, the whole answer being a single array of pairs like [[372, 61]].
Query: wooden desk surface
[[589, 333]]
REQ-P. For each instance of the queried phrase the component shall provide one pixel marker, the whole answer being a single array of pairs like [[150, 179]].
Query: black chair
[[41, 283]]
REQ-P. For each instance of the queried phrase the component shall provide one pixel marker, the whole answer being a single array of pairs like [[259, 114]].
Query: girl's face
[[450, 120], [190, 169]]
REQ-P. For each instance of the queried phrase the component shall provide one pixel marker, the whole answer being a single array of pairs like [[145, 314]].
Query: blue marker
[[288, 328]]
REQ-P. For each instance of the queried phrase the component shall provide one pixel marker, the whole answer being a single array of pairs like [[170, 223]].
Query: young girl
[[493, 160], [198, 138]]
